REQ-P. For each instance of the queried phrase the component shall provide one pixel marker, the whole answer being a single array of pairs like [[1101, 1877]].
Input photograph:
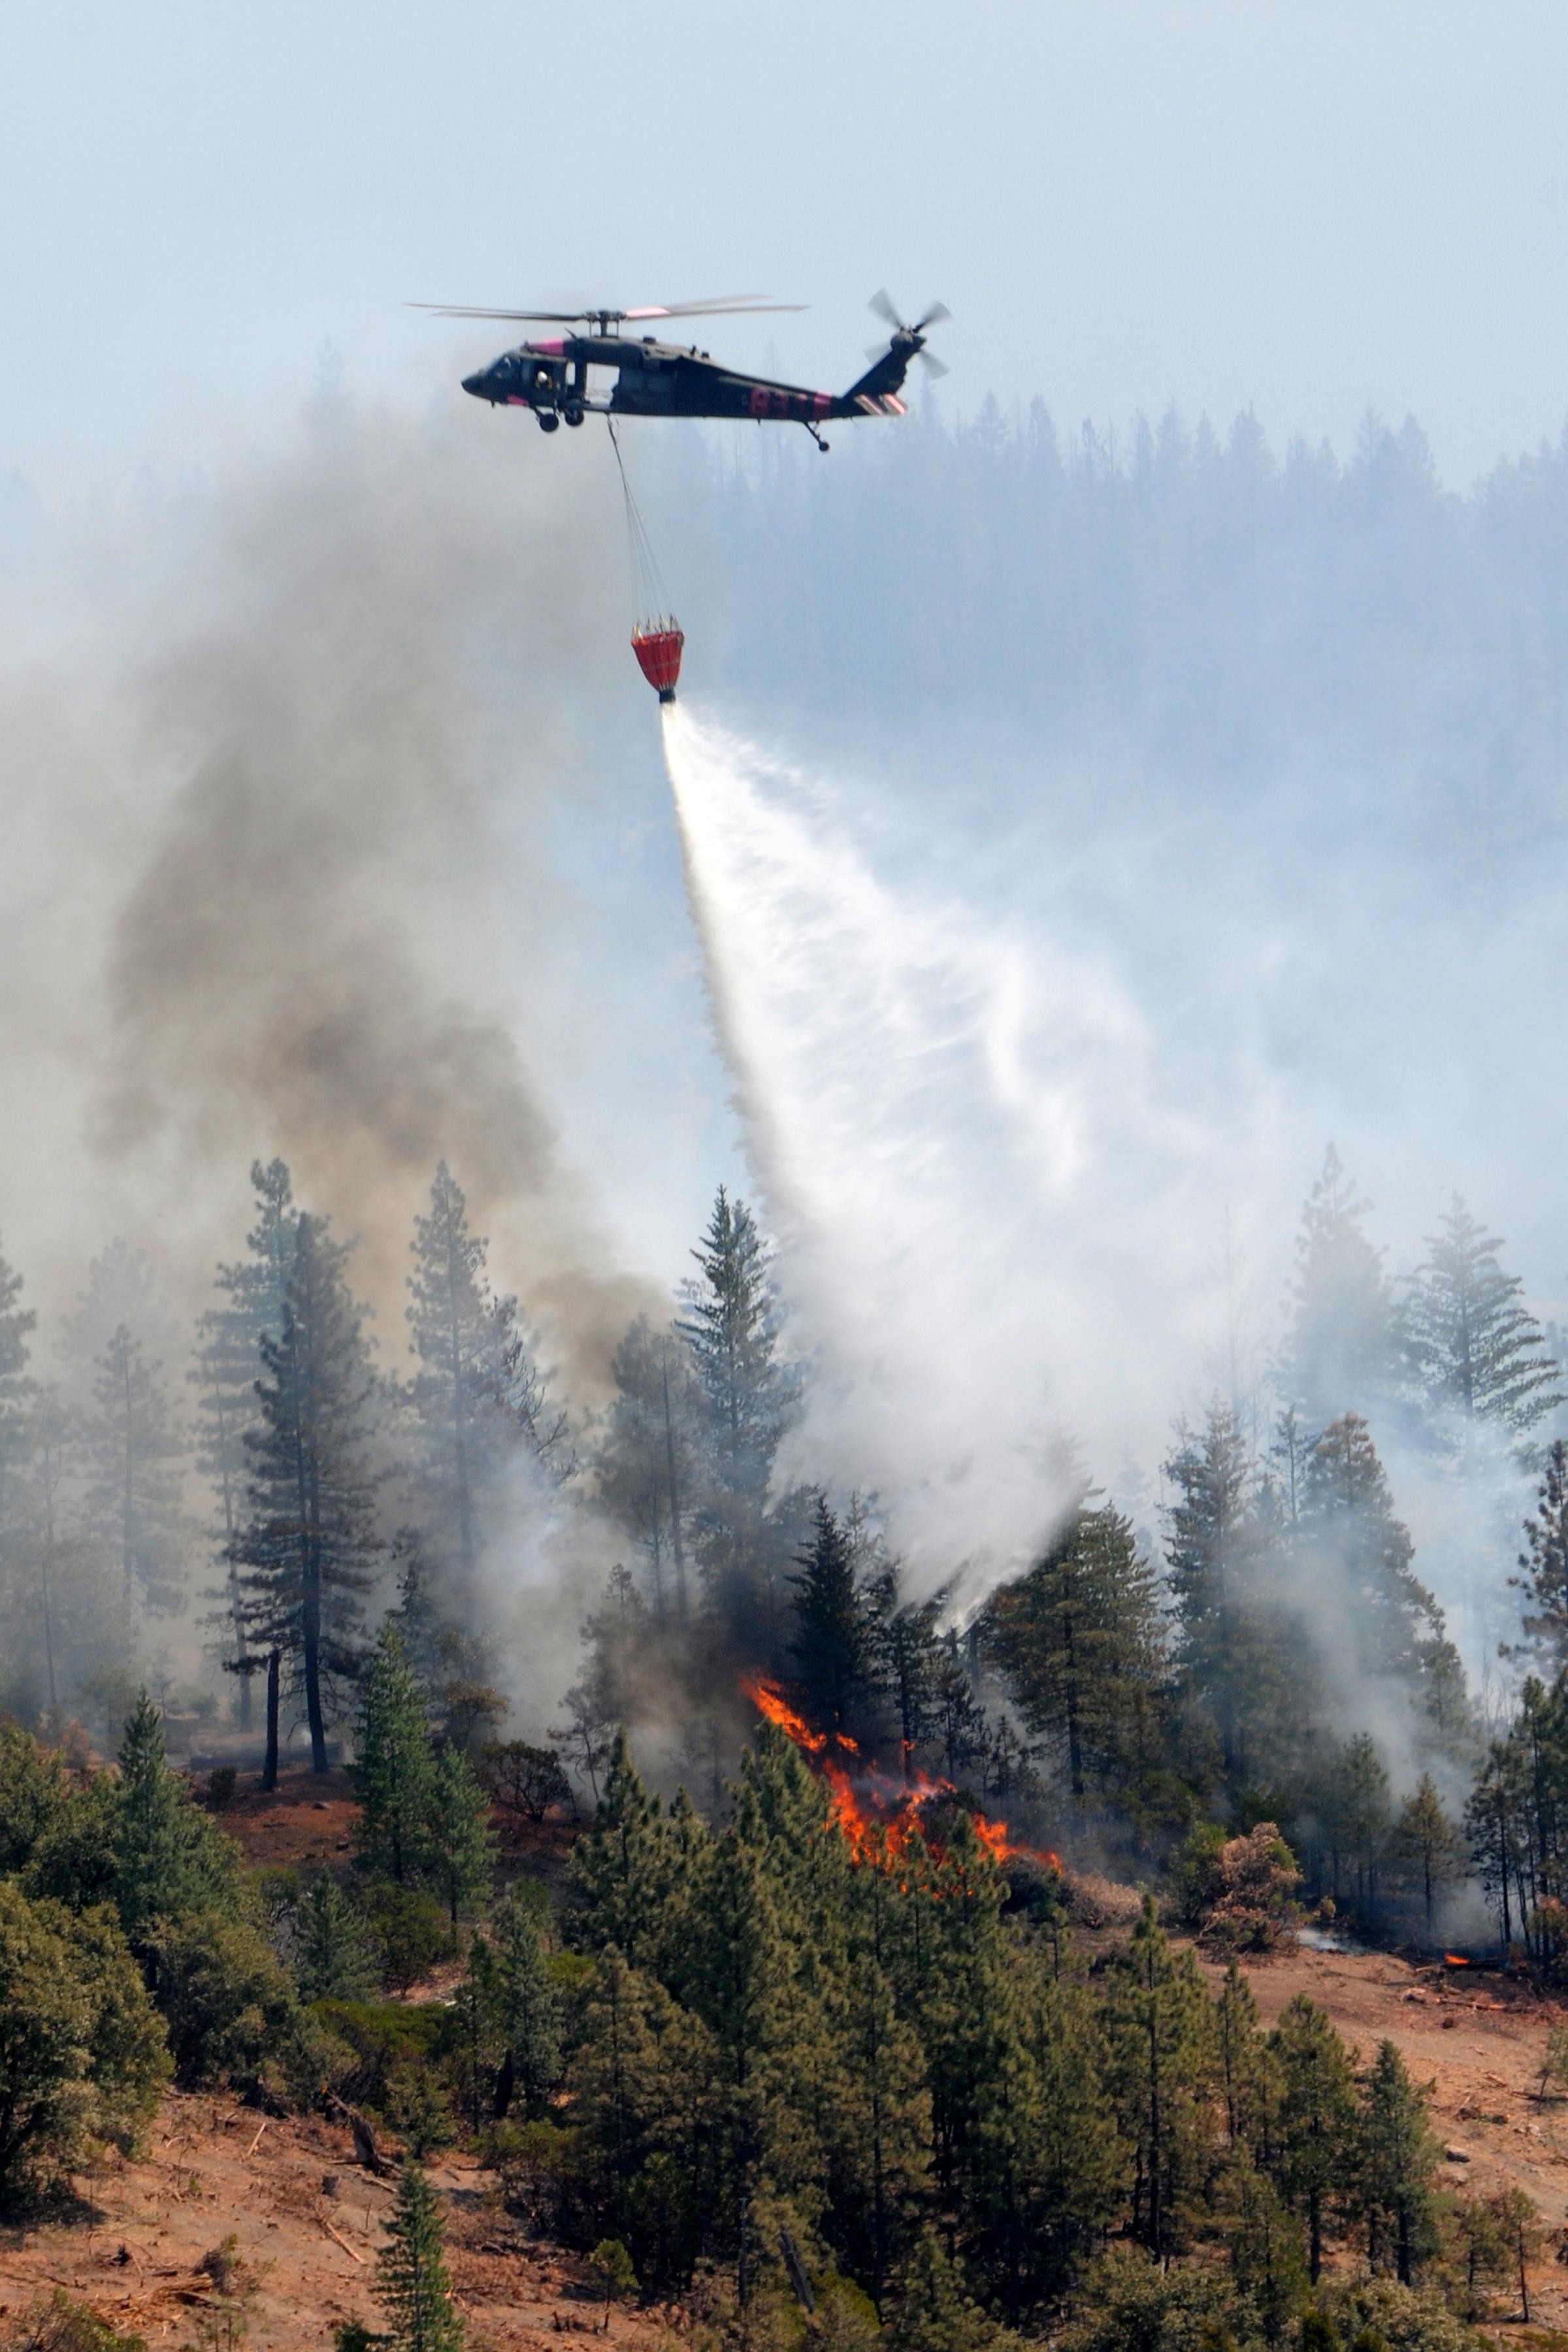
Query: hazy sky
[[1301, 205]]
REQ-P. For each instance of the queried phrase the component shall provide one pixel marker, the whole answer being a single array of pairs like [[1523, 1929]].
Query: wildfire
[[878, 1815], [1456, 1960]]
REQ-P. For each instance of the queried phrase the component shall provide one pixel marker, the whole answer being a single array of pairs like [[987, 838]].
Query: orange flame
[[1456, 1960], [883, 1817]]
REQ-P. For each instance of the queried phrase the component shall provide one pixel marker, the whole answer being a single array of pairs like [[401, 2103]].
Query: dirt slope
[[134, 2257]]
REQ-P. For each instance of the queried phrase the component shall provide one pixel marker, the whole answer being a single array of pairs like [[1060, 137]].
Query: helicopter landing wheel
[[548, 421], [574, 412]]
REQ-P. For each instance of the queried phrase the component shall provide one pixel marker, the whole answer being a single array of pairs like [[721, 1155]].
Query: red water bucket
[[658, 656]]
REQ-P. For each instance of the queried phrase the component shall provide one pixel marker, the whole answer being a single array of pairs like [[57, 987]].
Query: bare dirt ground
[[134, 2252]]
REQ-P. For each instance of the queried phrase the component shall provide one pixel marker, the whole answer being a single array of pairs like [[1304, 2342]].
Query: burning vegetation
[[879, 1816]]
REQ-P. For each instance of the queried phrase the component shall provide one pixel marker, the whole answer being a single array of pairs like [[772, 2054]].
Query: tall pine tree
[[1340, 1353], [134, 1500], [310, 1541], [224, 1380]]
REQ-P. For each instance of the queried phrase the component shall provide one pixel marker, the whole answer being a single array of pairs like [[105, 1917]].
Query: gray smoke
[[291, 871]]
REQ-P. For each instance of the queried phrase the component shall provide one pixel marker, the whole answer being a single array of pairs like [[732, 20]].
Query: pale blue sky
[[1301, 205]]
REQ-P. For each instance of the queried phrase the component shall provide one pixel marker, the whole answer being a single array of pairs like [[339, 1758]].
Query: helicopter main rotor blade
[[727, 306], [933, 317], [465, 310], [716, 306], [882, 303]]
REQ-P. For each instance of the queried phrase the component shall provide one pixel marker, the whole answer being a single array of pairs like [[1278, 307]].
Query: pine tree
[[333, 1957], [620, 1865], [1340, 1354], [1543, 1563], [477, 1396], [170, 1858], [1159, 2031], [906, 1654], [394, 1774], [1228, 1649], [1078, 1638], [1428, 1845], [311, 1540], [411, 2275], [830, 1642], [529, 2005], [646, 1468], [1317, 2121], [1350, 1533], [747, 1398], [132, 1500], [1357, 1817], [1076, 2162], [1474, 1348], [1494, 1825], [1398, 2157], [459, 1842], [1249, 2081], [223, 1381]]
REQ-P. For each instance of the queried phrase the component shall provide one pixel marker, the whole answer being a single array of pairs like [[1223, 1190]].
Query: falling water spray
[[917, 1102]]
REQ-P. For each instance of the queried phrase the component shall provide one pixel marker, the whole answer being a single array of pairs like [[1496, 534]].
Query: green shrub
[[227, 2001], [34, 1794], [80, 2052], [380, 2037]]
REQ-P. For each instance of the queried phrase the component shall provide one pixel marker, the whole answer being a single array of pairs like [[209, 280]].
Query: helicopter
[[660, 379]]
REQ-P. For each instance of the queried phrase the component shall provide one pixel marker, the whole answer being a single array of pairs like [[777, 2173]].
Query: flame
[[1456, 1960], [878, 1816]]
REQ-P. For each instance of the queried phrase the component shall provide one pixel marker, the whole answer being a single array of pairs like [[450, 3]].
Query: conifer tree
[[223, 1379], [620, 1865], [830, 1644], [1076, 2163], [1475, 1350], [410, 2276], [333, 1959], [1228, 1651], [1543, 1563], [1398, 2157], [1317, 2122], [645, 1469], [394, 1773], [311, 1539], [529, 2005], [747, 1398], [1249, 2072], [1078, 1639], [1160, 2032], [1428, 1845], [459, 1842], [906, 1654], [1349, 1532], [1340, 1354], [132, 1499], [878, 2146], [170, 1858], [477, 1396]]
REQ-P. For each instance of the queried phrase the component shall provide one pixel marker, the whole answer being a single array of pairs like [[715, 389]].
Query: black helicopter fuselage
[[655, 379]]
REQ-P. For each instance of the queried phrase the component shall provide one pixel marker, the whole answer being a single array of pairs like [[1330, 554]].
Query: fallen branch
[[353, 2252], [255, 2143]]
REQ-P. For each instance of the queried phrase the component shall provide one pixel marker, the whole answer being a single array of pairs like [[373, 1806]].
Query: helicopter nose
[[477, 384]]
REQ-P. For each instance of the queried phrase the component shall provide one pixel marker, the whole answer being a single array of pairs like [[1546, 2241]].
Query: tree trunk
[[270, 1769]]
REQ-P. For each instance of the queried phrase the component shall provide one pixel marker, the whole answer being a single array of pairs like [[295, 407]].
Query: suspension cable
[[648, 591]]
